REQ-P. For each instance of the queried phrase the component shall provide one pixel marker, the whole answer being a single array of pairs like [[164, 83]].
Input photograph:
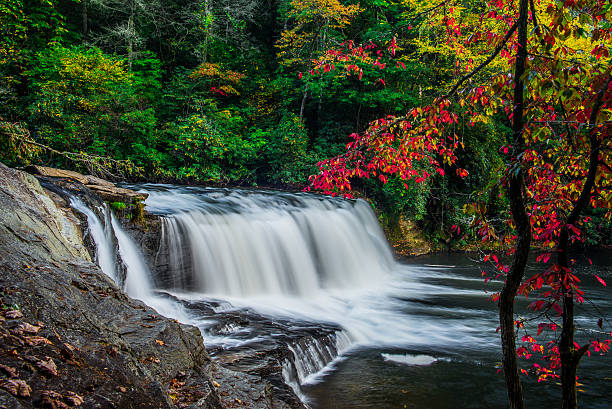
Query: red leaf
[[600, 280]]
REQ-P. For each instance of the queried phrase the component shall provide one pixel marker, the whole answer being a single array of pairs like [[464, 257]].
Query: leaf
[[35, 341], [13, 314], [600, 280], [543, 257], [52, 399], [24, 327], [47, 366], [12, 372], [160, 342], [73, 399], [16, 387]]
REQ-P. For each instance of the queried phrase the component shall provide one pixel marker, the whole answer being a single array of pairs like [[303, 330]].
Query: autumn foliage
[[563, 156]]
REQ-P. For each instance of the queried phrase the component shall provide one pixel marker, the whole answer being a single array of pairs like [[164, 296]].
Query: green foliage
[[85, 100], [287, 153], [13, 150], [119, 206], [214, 146], [210, 92]]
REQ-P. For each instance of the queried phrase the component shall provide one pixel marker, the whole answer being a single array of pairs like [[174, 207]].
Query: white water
[[301, 258], [138, 281], [257, 244], [102, 236], [410, 359], [306, 257]]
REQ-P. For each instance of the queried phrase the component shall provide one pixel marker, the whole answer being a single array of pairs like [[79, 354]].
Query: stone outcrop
[[106, 190], [68, 336], [406, 238]]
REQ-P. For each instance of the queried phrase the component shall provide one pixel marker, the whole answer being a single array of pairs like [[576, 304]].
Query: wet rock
[[117, 194], [84, 338]]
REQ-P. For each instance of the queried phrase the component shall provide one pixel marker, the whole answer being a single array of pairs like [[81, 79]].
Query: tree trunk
[[84, 27], [303, 105], [521, 220], [570, 357], [130, 47], [207, 29]]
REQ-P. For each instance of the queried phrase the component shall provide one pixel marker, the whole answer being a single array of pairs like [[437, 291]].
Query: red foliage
[[568, 125]]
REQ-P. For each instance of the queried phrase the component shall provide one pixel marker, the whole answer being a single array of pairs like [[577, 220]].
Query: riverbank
[[69, 337]]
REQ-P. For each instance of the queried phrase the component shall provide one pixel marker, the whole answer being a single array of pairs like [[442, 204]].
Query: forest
[[487, 124], [234, 93], [226, 93]]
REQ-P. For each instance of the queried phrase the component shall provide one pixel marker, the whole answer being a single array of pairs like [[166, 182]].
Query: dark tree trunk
[[570, 357], [84, 27], [523, 228]]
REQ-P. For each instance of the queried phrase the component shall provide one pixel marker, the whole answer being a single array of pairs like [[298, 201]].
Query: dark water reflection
[[463, 375]]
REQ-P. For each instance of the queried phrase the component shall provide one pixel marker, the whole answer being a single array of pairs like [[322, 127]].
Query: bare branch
[[97, 165]]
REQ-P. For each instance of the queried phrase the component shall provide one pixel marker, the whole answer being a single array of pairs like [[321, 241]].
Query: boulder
[[57, 173]]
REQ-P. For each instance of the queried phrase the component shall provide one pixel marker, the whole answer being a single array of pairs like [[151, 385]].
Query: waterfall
[[102, 237], [241, 243], [138, 278], [305, 258]]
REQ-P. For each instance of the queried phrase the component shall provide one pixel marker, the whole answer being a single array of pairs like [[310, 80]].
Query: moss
[[405, 236], [137, 214], [118, 206]]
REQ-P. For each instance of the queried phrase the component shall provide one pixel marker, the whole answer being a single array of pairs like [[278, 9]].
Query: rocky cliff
[[69, 337]]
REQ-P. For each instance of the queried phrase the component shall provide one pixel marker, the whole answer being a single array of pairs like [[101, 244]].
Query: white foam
[[408, 359]]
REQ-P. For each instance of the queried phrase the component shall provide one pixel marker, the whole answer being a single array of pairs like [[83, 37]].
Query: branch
[[485, 63], [96, 164], [594, 157], [429, 10], [534, 18]]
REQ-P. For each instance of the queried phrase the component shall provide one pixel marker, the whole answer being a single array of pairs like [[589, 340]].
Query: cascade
[[241, 243], [290, 254], [111, 239], [102, 236]]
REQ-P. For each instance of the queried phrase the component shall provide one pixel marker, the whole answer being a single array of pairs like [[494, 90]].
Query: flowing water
[[257, 269]]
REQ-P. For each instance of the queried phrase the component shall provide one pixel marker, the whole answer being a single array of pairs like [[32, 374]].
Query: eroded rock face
[[105, 189], [68, 336]]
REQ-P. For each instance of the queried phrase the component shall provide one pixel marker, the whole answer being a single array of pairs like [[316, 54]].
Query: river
[[256, 269]]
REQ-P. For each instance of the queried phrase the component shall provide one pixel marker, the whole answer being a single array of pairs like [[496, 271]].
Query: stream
[[310, 282]]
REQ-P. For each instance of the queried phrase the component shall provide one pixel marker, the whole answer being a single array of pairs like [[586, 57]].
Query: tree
[[314, 23], [554, 84], [85, 100], [25, 29]]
